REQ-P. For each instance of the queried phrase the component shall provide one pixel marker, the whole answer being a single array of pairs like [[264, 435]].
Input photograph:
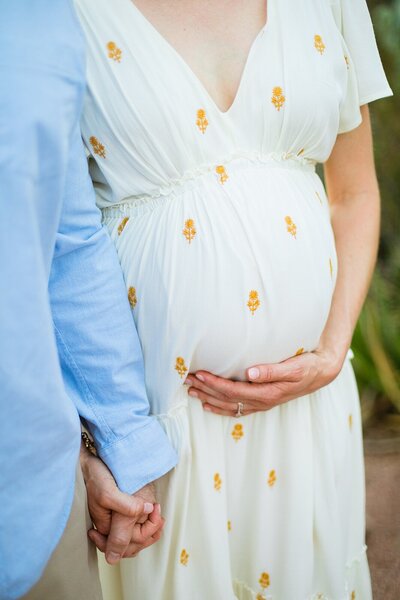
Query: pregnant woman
[[205, 122]]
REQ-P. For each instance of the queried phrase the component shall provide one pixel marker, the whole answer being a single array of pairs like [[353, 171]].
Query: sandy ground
[[383, 520]]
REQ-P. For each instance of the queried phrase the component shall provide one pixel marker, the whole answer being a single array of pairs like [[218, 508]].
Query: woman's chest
[[151, 108], [213, 38]]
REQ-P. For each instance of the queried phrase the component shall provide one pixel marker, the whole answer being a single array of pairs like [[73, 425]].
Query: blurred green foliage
[[376, 342]]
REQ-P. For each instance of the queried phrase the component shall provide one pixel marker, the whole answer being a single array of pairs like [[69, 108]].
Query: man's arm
[[97, 340], [40, 94]]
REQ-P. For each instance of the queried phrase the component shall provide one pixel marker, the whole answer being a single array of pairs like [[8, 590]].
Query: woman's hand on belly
[[269, 385]]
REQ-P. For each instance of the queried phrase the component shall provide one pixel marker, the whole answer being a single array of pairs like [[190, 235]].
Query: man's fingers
[[99, 540], [119, 537]]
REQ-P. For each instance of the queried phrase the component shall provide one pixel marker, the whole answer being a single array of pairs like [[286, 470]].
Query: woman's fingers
[[289, 370], [197, 384]]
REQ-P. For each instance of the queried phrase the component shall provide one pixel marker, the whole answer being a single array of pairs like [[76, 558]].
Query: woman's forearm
[[355, 222]]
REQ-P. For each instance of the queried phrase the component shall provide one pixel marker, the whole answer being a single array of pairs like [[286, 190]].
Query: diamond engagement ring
[[240, 407]]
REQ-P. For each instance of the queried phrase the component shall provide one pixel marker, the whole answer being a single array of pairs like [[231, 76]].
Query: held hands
[[124, 524], [268, 385]]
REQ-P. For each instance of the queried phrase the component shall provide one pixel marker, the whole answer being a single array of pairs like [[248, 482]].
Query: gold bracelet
[[89, 444]]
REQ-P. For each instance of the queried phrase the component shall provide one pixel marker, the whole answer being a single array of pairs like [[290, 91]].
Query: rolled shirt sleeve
[[98, 343]]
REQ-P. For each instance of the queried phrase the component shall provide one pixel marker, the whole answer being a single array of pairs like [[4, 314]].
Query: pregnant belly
[[230, 275]]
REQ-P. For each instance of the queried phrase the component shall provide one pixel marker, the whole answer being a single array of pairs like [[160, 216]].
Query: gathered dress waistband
[[193, 177]]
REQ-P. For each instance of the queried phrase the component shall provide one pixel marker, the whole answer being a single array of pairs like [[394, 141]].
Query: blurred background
[[376, 343]]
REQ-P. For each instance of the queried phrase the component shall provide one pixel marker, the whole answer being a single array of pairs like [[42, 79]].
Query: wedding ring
[[240, 408]]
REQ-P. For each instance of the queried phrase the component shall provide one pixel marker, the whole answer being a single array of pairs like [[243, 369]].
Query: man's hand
[[124, 524]]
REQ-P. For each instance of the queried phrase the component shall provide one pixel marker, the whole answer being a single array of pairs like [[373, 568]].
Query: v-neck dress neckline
[[185, 66]]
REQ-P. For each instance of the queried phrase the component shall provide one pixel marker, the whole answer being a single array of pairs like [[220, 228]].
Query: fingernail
[[199, 376], [158, 508], [189, 381], [112, 557], [148, 507], [207, 408], [193, 393], [254, 373]]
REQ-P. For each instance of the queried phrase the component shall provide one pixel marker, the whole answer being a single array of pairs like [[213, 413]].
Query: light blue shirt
[[63, 304]]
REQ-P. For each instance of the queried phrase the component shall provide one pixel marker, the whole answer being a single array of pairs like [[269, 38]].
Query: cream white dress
[[223, 232]]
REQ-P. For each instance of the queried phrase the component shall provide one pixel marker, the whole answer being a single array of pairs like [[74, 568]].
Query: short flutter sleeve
[[366, 78]]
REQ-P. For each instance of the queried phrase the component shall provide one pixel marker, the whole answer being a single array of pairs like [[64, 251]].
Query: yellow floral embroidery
[[346, 60], [184, 557], [217, 482], [223, 175], [290, 226], [260, 597], [353, 595], [114, 52], [237, 432], [278, 99], [319, 44], [350, 422], [121, 226], [318, 196], [98, 148], [299, 351], [201, 121], [253, 302], [264, 580], [272, 478], [189, 231], [180, 366], [331, 267], [132, 297], [229, 526], [300, 152]]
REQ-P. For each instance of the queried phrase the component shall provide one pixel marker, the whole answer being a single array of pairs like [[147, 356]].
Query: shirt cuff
[[140, 458]]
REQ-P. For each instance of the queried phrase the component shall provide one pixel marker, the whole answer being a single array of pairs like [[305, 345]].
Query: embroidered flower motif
[[350, 422], [300, 152], [201, 120], [189, 231], [319, 44], [180, 366], [264, 580], [272, 478], [121, 226], [132, 297], [318, 196], [237, 432], [217, 482], [114, 52], [223, 175], [353, 595], [347, 61], [331, 267], [98, 148], [229, 526], [299, 351], [260, 597], [278, 99], [253, 302], [184, 557], [290, 226]]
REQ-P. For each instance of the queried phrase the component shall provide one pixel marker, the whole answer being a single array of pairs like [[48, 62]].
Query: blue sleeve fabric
[[48, 210], [41, 75], [98, 344]]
